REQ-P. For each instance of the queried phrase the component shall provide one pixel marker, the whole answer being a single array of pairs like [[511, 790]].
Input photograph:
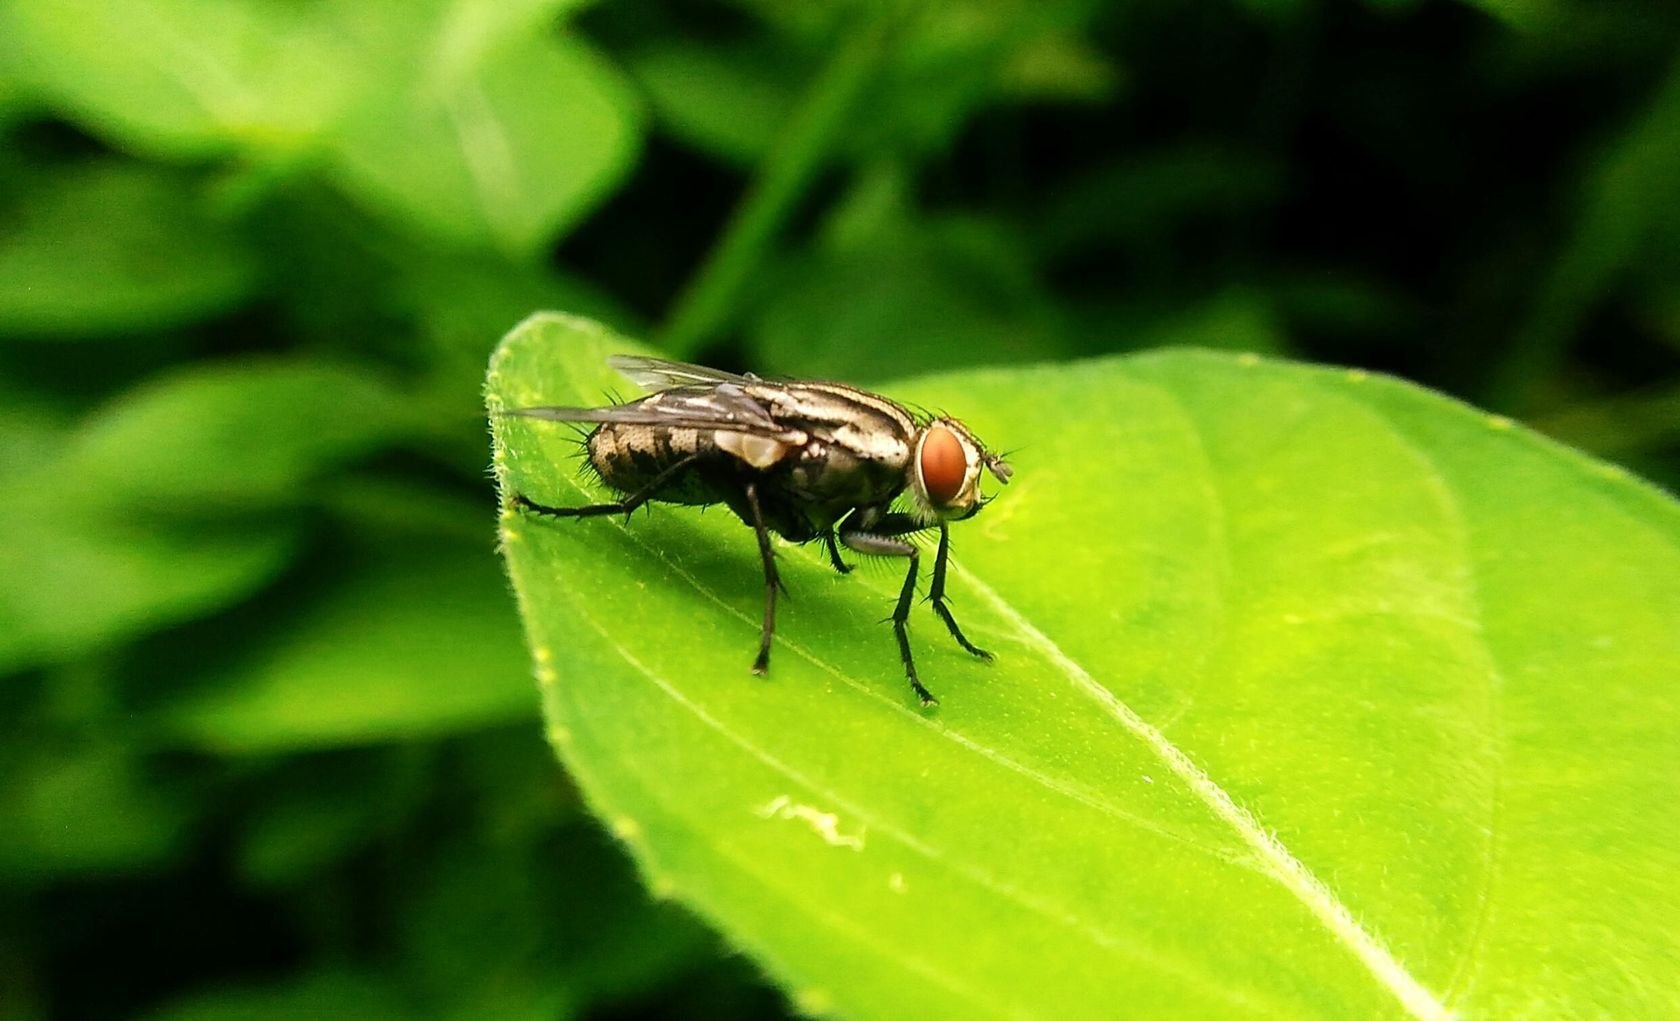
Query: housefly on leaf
[[806, 460]]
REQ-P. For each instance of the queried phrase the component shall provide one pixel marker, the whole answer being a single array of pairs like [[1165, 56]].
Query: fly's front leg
[[772, 581], [624, 506], [873, 543], [936, 595]]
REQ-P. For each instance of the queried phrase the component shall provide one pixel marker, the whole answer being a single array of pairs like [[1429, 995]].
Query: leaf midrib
[[1097, 936], [1274, 859]]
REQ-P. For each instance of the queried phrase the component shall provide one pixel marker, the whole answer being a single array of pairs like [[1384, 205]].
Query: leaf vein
[[1279, 864], [1094, 934]]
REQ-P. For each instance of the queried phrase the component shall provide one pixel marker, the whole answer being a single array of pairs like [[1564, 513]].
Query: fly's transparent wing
[[725, 406], [660, 374]]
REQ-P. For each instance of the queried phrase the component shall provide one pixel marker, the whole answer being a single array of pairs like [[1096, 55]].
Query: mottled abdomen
[[632, 457]]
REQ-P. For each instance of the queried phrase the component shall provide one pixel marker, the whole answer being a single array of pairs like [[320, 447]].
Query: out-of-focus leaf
[[1316, 695], [1628, 191], [320, 996], [84, 808], [318, 810], [31, 432], [78, 573], [14, 97], [486, 129], [916, 298], [1058, 66], [541, 928], [125, 525], [465, 117], [1623, 426], [412, 643], [1233, 319], [464, 301], [1141, 205], [735, 101], [242, 434], [728, 103], [112, 247], [952, 60], [1353, 308], [187, 78], [297, 838], [1532, 15]]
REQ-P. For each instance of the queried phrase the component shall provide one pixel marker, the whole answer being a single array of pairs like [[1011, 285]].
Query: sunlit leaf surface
[[1316, 695]]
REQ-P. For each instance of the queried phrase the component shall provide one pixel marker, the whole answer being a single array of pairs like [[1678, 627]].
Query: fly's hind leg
[[880, 537], [772, 581], [624, 506], [936, 595]]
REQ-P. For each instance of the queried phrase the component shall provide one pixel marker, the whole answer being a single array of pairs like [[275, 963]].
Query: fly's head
[[945, 471]]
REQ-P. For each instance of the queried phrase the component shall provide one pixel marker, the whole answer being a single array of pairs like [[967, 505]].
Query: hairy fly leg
[[879, 536], [936, 595], [624, 506], [772, 581], [834, 553]]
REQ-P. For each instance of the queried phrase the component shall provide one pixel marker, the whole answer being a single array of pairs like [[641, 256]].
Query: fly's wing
[[726, 406], [658, 374]]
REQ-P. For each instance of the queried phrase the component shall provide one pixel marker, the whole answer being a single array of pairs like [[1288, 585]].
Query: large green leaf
[[186, 77], [1316, 695]]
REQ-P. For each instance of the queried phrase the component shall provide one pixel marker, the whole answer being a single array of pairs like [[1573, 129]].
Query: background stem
[[710, 300]]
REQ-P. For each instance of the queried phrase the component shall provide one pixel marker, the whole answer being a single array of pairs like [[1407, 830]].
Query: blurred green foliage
[[273, 744]]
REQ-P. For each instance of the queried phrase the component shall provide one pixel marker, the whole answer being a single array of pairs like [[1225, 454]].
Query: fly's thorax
[[944, 471], [832, 476], [868, 426]]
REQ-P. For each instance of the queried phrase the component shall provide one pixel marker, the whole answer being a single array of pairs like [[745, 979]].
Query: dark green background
[[272, 747]]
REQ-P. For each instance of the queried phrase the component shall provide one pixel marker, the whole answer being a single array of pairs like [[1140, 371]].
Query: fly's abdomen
[[630, 458]]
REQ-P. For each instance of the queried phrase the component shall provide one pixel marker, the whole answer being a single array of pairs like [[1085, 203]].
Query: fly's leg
[[873, 543], [772, 581], [936, 595], [624, 506], [834, 553]]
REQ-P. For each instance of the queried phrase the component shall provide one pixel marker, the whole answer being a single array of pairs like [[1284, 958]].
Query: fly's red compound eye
[[944, 465]]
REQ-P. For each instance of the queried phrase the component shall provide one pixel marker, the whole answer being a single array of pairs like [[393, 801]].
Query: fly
[[805, 460]]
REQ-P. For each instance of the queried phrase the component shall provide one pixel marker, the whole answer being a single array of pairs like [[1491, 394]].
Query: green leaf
[[234, 434], [728, 103], [405, 646], [186, 78], [86, 806], [546, 926], [326, 994], [488, 130], [1529, 15], [1616, 223], [141, 517], [114, 247], [903, 299], [1316, 695], [77, 575]]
